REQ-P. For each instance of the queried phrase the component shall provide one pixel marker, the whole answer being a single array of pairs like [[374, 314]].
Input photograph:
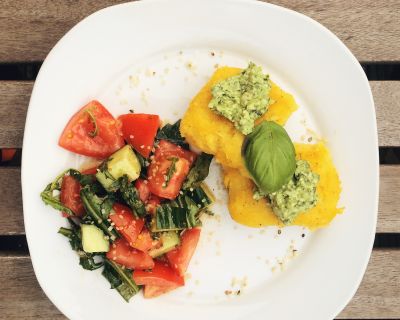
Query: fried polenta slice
[[257, 213], [214, 134]]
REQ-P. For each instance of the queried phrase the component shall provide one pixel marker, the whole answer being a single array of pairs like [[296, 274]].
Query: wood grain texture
[[11, 215], [387, 101], [369, 28], [21, 296], [30, 28], [14, 100], [378, 296]]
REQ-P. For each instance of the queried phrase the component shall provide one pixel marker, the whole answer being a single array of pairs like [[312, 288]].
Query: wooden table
[[30, 28]]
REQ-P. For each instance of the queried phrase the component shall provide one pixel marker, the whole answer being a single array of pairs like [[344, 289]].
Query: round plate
[[154, 56]]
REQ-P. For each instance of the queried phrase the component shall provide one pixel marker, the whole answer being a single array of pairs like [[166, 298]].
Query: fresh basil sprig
[[269, 156]]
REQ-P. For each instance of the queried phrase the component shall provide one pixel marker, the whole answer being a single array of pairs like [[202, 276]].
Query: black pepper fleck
[[279, 231], [303, 235]]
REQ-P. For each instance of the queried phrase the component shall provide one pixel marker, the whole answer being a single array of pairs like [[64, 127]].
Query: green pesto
[[296, 196], [242, 98]]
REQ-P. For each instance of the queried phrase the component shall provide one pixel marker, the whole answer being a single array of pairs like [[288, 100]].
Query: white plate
[[111, 56]]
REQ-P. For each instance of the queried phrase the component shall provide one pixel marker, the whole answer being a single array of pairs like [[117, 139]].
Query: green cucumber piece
[[93, 239], [169, 241], [123, 162]]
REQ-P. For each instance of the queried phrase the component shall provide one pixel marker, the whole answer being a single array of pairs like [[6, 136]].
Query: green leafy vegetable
[[171, 171], [131, 196], [50, 195], [269, 156], [171, 133], [86, 260], [120, 279], [198, 172], [182, 213], [175, 218], [96, 208], [143, 165]]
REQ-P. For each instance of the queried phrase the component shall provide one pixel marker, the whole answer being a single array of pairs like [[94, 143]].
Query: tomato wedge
[[7, 154], [144, 241], [175, 168], [126, 223], [122, 253], [92, 131], [166, 149], [143, 189], [70, 196], [155, 291], [161, 275], [180, 257], [140, 130]]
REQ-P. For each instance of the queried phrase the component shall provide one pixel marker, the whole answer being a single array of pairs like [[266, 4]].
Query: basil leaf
[[269, 156]]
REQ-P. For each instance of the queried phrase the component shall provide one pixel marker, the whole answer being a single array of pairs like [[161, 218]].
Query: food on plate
[[248, 210], [216, 135], [238, 117], [269, 156], [242, 98], [136, 214]]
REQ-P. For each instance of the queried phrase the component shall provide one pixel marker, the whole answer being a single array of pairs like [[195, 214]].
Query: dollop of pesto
[[296, 196], [242, 98]]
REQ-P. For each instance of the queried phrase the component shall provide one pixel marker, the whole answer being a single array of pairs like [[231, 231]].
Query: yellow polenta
[[215, 134], [245, 210]]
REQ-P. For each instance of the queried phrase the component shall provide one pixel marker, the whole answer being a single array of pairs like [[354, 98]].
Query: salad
[[137, 214]]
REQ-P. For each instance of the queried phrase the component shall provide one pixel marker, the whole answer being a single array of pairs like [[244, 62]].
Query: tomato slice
[[122, 253], [126, 223], [70, 196], [152, 203], [155, 291], [92, 131], [7, 154], [180, 257], [144, 241], [140, 130], [143, 188], [166, 148], [161, 275], [176, 168]]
